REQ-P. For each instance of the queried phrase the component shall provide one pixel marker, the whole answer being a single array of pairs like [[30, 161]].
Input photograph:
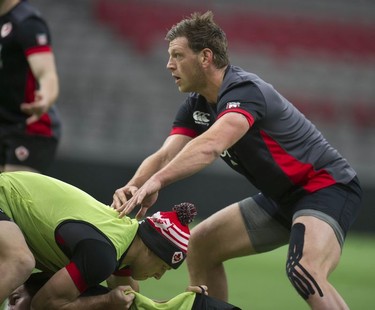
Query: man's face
[[149, 266], [185, 66], [20, 299]]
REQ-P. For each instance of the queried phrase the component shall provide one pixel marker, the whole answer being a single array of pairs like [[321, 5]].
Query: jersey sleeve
[[93, 261], [245, 99], [34, 36], [184, 122], [92, 256]]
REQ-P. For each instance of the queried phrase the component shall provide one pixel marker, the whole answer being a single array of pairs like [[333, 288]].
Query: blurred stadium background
[[118, 100]]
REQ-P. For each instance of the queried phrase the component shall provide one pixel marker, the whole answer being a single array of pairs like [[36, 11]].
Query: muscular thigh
[[316, 243], [223, 235], [264, 231], [11, 238]]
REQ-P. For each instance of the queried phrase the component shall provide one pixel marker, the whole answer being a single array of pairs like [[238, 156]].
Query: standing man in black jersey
[[29, 122], [309, 194]]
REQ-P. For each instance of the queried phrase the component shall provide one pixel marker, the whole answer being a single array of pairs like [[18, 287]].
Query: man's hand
[[144, 197], [121, 297], [122, 195], [201, 289], [35, 109]]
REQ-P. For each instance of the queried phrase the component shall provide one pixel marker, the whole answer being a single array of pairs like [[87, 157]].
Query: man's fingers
[[119, 199], [32, 119], [127, 207], [201, 289], [141, 213]]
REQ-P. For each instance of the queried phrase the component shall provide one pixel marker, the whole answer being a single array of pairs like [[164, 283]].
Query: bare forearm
[[149, 166], [115, 299], [197, 154], [49, 86]]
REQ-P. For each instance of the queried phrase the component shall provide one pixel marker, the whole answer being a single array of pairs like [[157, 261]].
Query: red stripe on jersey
[[30, 87], [38, 49], [125, 272], [248, 116], [183, 131], [41, 127], [302, 174], [59, 239], [76, 276]]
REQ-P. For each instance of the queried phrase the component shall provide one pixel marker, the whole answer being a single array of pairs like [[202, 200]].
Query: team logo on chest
[[6, 29], [201, 118]]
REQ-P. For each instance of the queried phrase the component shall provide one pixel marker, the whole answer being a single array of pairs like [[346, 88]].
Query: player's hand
[[201, 289], [35, 109], [122, 195], [145, 197], [121, 297]]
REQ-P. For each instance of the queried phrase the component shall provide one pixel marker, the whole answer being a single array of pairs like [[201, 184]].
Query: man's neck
[[7, 5], [136, 248], [213, 86]]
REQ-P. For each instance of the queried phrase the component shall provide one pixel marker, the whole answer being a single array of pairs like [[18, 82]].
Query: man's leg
[[220, 237], [314, 252], [16, 260], [241, 229]]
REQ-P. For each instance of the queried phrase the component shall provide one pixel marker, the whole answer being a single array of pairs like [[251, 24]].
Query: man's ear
[[206, 56]]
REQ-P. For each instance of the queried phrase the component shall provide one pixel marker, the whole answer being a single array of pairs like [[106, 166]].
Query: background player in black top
[[29, 122], [309, 194]]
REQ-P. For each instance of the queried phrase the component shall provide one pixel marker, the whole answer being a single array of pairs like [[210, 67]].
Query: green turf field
[[259, 282]]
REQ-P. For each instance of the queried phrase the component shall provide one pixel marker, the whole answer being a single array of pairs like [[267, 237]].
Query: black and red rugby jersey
[[283, 154], [23, 32]]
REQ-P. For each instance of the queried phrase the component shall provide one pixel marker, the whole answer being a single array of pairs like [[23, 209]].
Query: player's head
[[167, 234], [202, 32], [21, 297]]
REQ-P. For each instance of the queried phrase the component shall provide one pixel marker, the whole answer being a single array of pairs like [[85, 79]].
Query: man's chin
[[184, 90]]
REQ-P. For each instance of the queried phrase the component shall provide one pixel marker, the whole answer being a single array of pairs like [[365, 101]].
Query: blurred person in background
[[57, 228], [29, 87], [309, 194]]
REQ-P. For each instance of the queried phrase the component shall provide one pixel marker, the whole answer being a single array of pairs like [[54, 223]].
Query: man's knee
[[201, 250], [300, 272], [27, 260], [198, 236]]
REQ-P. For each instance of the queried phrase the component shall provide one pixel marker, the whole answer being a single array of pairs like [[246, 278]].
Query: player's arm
[[172, 145], [196, 155], [43, 67], [60, 292]]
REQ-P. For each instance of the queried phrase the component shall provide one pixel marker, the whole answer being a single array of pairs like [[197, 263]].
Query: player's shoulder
[[25, 11]]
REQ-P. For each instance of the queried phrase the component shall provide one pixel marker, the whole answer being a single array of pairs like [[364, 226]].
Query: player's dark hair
[[202, 32]]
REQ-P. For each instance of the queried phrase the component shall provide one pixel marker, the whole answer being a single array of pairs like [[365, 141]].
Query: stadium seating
[[117, 95]]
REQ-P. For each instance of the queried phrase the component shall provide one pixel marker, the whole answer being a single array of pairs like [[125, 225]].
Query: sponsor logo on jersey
[[201, 118], [41, 39], [177, 257], [232, 105], [6, 29], [22, 153]]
